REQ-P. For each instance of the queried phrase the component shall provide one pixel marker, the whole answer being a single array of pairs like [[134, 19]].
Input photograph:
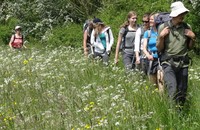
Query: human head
[[152, 20], [177, 8], [90, 23], [132, 17], [18, 28], [145, 20], [97, 21]]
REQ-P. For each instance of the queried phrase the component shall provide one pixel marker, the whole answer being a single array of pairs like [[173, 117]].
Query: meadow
[[59, 89]]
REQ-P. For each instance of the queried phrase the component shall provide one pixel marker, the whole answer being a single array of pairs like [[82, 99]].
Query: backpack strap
[[149, 35], [108, 32], [14, 38], [22, 40], [124, 37]]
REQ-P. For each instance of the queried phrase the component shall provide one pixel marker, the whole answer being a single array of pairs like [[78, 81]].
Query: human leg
[[170, 80], [105, 58], [127, 60], [182, 85]]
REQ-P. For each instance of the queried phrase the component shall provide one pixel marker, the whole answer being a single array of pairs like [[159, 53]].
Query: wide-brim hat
[[177, 8], [97, 20], [18, 27]]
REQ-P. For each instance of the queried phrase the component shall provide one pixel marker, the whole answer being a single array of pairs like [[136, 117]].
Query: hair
[[98, 28], [130, 14], [146, 15], [154, 15]]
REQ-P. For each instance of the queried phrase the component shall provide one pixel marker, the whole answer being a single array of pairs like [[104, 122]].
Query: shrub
[[67, 35]]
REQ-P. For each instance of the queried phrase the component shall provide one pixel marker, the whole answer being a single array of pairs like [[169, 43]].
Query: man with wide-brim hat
[[175, 38]]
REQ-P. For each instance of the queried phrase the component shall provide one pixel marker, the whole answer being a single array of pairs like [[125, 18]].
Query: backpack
[[86, 27], [162, 17], [123, 43]]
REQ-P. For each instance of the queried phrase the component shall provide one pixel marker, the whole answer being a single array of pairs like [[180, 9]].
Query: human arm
[[162, 32], [118, 47], [148, 55], [191, 35], [11, 40], [137, 45], [145, 45], [85, 42]]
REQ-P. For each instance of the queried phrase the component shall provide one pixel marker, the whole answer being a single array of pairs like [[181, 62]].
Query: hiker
[[87, 30], [175, 38], [141, 61], [150, 50], [17, 41], [102, 40], [125, 41]]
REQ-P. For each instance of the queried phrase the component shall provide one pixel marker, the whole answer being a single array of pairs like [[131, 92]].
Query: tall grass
[[60, 89]]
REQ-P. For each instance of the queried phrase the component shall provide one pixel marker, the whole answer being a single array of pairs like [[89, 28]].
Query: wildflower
[[156, 90], [86, 108], [87, 126], [91, 103], [25, 62], [117, 123]]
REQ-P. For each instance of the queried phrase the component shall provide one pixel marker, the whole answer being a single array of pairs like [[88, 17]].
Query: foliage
[[194, 20], [39, 16], [59, 89], [67, 35], [7, 30]]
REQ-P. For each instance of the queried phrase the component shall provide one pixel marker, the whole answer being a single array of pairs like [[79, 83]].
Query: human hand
[[85, 53], [116, 60], [108, 52], [164, 32], [137, 61], [189, 34], [150, 57]]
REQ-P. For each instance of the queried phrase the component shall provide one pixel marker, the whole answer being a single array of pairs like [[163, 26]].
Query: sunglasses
[[145, 21]]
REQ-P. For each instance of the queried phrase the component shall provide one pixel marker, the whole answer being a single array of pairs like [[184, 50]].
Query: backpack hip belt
[[171, 59]]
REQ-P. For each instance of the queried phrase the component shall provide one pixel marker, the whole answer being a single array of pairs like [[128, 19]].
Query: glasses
[[145, 21]]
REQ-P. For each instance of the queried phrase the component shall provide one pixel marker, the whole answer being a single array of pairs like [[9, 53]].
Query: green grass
[[42, 88]]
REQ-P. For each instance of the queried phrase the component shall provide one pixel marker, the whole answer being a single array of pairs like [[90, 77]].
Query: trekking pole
[[149, 68]]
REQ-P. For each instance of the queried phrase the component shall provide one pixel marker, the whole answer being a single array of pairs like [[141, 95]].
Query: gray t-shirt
[[129, 40]]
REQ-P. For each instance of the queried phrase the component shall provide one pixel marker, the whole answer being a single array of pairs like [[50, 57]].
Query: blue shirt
[[102, 36], [152, 42]]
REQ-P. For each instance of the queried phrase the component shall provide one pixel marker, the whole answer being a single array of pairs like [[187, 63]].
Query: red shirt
[[17, 42]]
